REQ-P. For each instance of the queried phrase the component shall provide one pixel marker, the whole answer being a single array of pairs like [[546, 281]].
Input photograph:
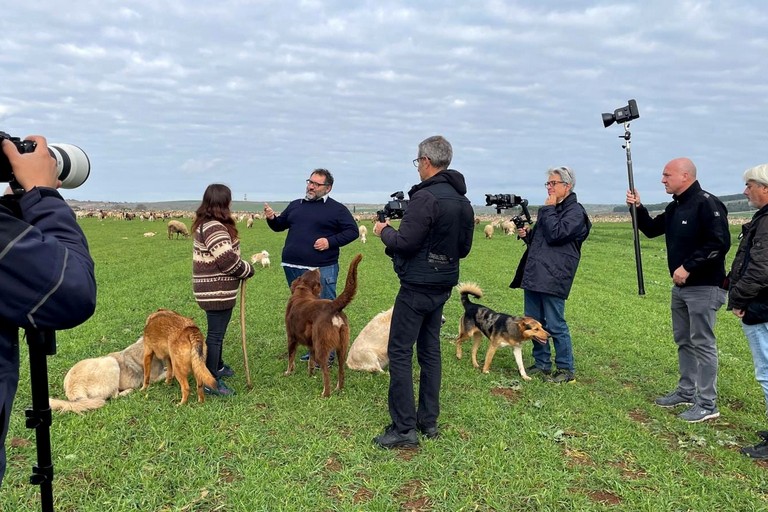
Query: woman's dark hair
[[215, 206]]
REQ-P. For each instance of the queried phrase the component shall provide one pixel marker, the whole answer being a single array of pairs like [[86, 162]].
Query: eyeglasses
[[310, 182], [416, 160], [551, 184]]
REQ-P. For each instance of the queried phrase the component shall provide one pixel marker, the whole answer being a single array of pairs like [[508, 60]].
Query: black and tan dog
[[501, 330]]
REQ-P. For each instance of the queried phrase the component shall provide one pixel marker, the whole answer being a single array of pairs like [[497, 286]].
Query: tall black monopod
[[633, 211], [41, 343]]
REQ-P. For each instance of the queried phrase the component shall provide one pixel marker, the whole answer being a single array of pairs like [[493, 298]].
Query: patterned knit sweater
[[216, 267]]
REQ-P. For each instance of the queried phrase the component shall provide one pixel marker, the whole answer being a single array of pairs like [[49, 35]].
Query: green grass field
[[597, 444]]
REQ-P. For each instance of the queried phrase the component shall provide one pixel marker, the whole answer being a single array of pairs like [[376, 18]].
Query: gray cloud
[[168, 97]]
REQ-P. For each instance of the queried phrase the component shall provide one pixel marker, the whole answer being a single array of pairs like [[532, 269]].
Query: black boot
[[760, 450]]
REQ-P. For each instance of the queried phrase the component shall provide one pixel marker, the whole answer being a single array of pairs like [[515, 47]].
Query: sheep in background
[[261, 257], [363, 231], [249, 222], [177, 227], [488, 230]]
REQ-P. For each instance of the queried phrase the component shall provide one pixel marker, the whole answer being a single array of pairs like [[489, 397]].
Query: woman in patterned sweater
[[217, 270]]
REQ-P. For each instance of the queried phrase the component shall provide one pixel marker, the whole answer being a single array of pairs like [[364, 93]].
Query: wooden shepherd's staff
[[242, 333]]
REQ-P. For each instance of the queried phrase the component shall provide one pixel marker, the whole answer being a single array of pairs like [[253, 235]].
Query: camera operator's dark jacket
[[46, 276], [435, 232], [695, 224], [749, 272], [552, 258]]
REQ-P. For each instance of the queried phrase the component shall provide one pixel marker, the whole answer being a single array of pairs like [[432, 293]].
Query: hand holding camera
[[34, 167], [71, 166]]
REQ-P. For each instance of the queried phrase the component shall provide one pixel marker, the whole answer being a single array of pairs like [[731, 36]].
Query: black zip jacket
[[749, 271], [695, 224], [436, 231]]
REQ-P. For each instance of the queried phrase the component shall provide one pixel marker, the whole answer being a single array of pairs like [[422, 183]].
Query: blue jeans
[[694, 309], [218, 320], [328, 278], [550, 311], [757, 336]]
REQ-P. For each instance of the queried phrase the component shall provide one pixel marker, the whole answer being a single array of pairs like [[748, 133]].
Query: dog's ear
[[527, 324]]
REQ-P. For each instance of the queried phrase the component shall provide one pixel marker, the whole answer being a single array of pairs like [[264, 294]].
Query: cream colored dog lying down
[[369, 350], [89, 383]]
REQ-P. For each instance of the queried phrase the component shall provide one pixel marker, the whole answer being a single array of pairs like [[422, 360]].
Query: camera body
[[72, 164], [622, 115], [504, 201], [394, 209]]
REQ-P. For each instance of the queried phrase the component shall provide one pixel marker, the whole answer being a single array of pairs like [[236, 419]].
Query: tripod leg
[[41, 344]]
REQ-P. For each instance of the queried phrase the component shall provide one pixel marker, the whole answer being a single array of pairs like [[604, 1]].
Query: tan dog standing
[[178, 341], [502, 330], [91, 382]]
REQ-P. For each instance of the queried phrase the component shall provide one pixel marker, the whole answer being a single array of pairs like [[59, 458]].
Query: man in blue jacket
[[45, 267], [547, 270], [695, 227], [435, 233]]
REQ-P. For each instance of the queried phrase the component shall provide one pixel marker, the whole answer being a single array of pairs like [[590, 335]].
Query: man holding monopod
[[696, 229]]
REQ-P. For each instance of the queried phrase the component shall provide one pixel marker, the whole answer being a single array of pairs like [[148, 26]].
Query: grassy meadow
[[505, 445]]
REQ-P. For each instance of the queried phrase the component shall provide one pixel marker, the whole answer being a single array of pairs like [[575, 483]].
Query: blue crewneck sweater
[[306, 221]]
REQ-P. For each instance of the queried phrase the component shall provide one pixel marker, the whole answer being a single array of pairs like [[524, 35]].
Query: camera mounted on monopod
[[504, 201], [623, 116], [394, 209], [72, 164]]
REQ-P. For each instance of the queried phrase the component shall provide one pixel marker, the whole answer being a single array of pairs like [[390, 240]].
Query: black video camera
[[394, 209], [504, 201], [72, 164]]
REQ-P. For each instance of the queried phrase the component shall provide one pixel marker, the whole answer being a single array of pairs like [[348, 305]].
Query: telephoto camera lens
[[72, 164]]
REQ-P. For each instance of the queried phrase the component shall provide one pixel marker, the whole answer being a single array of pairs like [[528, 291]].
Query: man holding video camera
[[45, 267], [548, 268], [695, 227], [435, 233]]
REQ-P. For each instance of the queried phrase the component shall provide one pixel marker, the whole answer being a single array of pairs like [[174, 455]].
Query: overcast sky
[[166, 97]]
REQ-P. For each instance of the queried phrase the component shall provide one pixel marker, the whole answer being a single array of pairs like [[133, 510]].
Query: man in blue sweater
[[317, 227]]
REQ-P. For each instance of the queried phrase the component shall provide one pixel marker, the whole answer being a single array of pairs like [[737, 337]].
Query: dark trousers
[[416, 318], [218, 321]]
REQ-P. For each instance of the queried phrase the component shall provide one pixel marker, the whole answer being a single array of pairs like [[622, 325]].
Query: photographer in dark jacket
[[46, 270], [435, 232], [748, 292], [695, 226], [548, 267]]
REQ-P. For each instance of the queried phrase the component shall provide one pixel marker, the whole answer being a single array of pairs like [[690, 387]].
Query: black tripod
[[41, 343], [633, 211]]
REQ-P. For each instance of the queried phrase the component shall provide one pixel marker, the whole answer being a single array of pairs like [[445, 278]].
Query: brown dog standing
[[319, 324], [178, 341], [502, 330]]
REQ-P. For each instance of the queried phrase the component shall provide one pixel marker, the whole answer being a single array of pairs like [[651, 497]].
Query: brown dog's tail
[[79, 406], [350, 288], [201, 372]]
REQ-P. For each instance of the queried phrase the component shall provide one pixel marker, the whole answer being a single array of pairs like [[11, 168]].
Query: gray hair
[[566, 174], [758, 173], [437, 150]]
